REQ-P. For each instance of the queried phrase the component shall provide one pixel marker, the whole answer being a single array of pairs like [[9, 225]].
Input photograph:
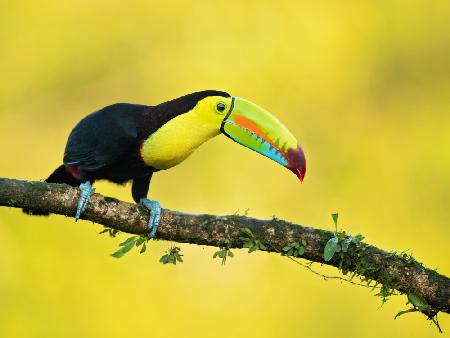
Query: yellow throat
[[178, 138]]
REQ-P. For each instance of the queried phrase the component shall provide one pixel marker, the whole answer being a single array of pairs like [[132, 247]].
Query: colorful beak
[[257, 129]]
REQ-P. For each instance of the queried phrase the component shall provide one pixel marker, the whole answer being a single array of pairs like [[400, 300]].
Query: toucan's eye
[[220, 107]]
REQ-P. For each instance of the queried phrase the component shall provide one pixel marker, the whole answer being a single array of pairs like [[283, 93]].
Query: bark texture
[[403, 274]]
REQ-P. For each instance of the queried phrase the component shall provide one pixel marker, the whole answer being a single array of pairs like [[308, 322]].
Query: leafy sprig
[[420, 305], [251, 242], [294, 249], [111, 232], [224, 252], [129, 243], [340, 242], [172, 256]]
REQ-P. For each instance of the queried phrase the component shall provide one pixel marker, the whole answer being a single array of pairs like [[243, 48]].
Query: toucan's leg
[[86, 192], [139, 190]]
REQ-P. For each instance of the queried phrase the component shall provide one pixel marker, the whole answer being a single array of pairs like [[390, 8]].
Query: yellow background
[[365, 85]]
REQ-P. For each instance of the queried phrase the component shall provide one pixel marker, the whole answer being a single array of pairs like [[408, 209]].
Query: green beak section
[[257, 129]]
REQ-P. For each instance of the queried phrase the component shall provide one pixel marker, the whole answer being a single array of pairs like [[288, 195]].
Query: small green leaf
[[144, 247], [249, 232], [346, 244], [289, 253], [401, 313], [357, 239], [118, 254], [129, 240], [330, 248], [335, 218], [286, 248], [129, 245], [215, 254], [140, 241], [262, 246], [301, 251], [418, 301], [125, 247], [179, 259], [230, 254]]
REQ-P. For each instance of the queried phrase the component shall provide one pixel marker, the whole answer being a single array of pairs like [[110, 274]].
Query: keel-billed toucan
[[124, 142]]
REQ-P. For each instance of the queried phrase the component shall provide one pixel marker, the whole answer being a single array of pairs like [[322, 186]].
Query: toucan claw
[[155, 213], [86, 192]]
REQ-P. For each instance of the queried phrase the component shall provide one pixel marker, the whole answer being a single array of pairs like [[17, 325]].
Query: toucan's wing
[[104, 137]]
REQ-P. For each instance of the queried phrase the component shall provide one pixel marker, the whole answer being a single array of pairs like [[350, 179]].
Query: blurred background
[[364, 85]]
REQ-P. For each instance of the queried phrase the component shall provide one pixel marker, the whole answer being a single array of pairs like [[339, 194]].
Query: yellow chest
[[176, 140]]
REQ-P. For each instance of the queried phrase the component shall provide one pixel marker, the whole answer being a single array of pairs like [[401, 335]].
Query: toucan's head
[[253, 127]]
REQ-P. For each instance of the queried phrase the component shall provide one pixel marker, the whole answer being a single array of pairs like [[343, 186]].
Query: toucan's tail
[[60, 175]]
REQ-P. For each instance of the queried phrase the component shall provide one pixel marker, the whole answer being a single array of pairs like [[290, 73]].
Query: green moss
[[362, 264]]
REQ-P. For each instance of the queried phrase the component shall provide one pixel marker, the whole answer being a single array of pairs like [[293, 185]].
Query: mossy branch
[[398, 272]]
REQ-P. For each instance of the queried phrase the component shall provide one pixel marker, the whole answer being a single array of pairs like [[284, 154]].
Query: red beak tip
[[297, 162], [300, 174]]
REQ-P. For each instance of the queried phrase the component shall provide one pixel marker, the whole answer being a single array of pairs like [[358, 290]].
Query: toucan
[[129, 142]]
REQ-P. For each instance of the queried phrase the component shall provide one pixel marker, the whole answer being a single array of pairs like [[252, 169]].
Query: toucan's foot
[[86, 192], [155, 212]]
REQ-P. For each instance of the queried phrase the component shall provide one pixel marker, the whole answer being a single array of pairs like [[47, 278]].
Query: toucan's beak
[[257, 129]]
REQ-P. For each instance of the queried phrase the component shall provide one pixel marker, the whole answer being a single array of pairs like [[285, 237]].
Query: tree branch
[[398, 272]]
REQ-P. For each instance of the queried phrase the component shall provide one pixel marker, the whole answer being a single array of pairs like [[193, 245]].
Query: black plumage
[[106, 144]]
